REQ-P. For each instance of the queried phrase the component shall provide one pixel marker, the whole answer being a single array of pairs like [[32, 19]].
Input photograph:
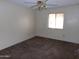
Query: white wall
[[16, 24], [71, 24]]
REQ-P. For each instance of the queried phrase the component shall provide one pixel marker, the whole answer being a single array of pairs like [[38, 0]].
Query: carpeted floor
[[41, 48]]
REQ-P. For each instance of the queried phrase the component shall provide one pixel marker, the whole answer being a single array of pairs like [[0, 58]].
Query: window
[[56, 21]]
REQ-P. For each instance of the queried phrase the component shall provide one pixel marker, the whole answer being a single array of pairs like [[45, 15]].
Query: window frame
[[55, 22]]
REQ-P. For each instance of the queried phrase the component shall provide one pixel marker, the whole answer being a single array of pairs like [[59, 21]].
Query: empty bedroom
[[39, 29]]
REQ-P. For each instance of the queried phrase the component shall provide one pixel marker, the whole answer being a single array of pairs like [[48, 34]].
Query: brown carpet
[[42, 48]]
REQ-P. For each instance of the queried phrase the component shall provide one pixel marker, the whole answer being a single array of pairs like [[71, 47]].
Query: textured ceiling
[[56, 2]]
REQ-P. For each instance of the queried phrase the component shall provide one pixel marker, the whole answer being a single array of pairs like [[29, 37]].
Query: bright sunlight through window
[[56, 21]]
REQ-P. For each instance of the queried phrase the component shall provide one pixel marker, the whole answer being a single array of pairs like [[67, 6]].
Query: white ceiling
[[56, 2]]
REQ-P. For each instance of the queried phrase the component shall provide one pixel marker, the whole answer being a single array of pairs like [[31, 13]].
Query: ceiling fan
[[41, 4]]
